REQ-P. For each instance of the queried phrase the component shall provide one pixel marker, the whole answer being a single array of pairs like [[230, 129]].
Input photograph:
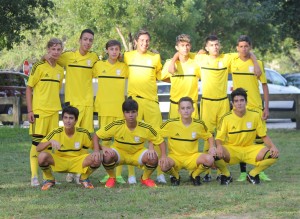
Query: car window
[[11, 79], [275, 78]]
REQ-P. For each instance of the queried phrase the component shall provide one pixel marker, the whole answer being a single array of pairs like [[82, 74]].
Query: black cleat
[[207, 178], [196, 181], [175, 181], [224, 180], [253, 179]]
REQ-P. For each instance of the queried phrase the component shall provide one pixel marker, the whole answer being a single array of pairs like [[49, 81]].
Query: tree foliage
[[17, 16], [268, 22]]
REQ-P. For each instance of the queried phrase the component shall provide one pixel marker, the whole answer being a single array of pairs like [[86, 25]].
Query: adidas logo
[[103, 72], [233, 127], [177, 134], [122, 138], [47, 76]]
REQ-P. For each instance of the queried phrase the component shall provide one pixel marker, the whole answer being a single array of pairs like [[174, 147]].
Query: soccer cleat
[[47, 184], [70, 177], [218, 178], [175, 181], [35, 181], [196, 181], [131, 180], [242, 177], [161, 179], [264, 177], [86, 184], [120, 180], [207, 178], [110, 183], [104, 179], [148, 182], [253, 179], [225, 180]]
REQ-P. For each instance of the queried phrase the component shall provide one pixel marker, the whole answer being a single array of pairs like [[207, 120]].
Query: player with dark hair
[[128, 148], [111, 75], [242, 70], [184, 74], [43, 102], [236, 135], [144, 70], [61, 151]]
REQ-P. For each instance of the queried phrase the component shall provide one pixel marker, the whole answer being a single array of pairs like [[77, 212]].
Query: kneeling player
[[236, 134], [61, 151], [128, 147], [183, 134]]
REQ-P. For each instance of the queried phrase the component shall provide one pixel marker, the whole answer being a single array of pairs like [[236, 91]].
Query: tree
[[17, 16]]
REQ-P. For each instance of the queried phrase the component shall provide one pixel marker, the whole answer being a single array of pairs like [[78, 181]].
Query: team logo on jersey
[[220, 64], [194, 134], [251, 69], [77, 145], [149, 62], [249, 125], [191, 70], [137, 139], [89, 62], [118, 72]]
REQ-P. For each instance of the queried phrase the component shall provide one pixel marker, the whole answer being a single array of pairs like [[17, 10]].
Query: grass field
[[279, 198]]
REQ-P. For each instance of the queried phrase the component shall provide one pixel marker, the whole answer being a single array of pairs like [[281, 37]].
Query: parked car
[[12, 84], [276, 83], [293, 79]]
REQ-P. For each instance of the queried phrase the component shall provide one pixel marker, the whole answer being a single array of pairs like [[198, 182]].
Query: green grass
[[279, 198]]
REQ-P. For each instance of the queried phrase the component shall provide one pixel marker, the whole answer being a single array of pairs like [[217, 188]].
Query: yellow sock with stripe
[[33, 155], [157, 150], [173, 172], [148, 170], [262, 165], [47, 172], [200, 169], [110, 169], [89, 171], [222, 166]]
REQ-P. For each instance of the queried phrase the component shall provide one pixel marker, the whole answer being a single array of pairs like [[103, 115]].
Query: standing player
[[184, 74], [111, 76], [236, 135], [214, 76], [43, 102], [78, 87], [128, 148], [144, 70], [183, 134], [61, 151], [242, 70]]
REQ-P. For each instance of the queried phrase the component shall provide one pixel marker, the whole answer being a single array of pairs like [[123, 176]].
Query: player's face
[[183, 48], [243, 48], [213, 47], [86, 42], [113, 52], [142, 44], [130, 116], [55, 51], [69, 121], [186, 109], [239, 103]]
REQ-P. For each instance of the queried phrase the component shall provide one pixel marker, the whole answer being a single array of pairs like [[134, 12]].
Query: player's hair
[[86, 31], [71, 110], [188, 99], [130, 104], [113, 43], [53, 42], [141, 32], [239, 92], [244, 38], [183, 38], [211, 38]]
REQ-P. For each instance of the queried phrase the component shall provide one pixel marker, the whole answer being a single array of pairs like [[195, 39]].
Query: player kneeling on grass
[[61, 151], [236, 134], [128, 148]]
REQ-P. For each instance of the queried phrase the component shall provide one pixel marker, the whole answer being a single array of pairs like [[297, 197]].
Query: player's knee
[[43, 158], [208, 160]]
